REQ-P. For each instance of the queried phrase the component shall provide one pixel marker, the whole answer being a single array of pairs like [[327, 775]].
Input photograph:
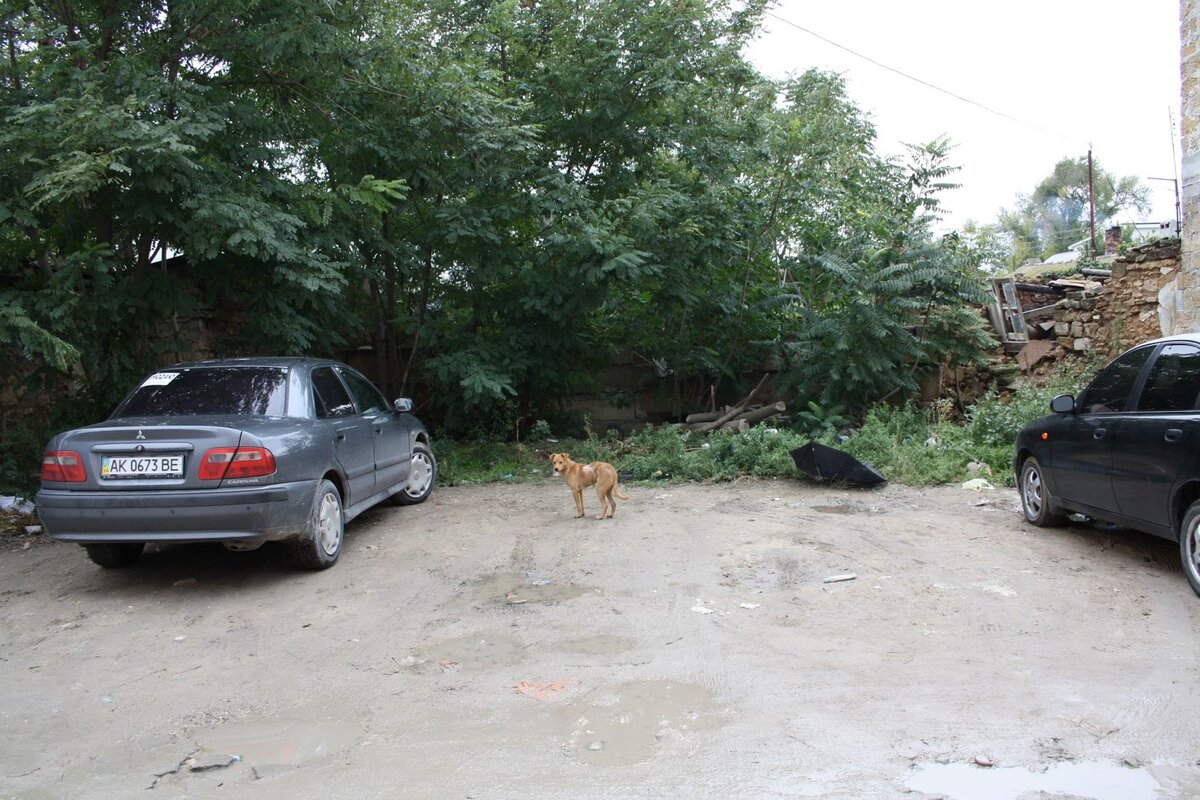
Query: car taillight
[[222, 463], [63, 466]]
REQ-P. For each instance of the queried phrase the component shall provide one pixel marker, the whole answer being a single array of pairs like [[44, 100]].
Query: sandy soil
[[489, 645]]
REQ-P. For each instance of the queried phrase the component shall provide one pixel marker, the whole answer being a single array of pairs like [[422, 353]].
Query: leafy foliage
[[495, 197]]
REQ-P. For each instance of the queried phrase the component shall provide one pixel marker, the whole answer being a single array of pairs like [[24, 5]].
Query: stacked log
[[738, 417]]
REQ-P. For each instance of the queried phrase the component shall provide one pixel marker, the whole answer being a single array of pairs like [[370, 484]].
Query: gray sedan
[[239, 451]]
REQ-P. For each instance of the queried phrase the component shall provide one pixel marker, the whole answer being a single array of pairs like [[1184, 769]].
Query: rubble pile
[[1107, 307]]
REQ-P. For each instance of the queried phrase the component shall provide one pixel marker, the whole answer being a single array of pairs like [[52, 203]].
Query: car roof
[[284, 362], [1178, 337]]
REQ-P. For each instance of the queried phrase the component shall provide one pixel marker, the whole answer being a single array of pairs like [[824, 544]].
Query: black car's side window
[[1110, 391], [369, 399], [329, 396], [1174, 381]]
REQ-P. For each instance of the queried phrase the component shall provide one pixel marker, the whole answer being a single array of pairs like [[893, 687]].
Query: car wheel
[[1189, 546], [421, 478], [326, 530], [1035, 498], [111, 556]]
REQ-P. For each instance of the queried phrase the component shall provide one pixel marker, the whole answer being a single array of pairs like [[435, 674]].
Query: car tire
[[1035, 498], [322, 543], [1189, 545], [115, 555], [421, 478]]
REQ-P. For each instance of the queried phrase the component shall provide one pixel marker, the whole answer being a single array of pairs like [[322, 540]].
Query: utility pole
[[1091, 207]]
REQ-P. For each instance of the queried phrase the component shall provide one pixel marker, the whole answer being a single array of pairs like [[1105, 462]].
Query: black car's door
[[1151, 443], [350, 432], [389, 430], [1081, 448]]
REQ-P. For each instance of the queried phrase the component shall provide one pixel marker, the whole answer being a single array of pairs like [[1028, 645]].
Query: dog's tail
[[617, 491]]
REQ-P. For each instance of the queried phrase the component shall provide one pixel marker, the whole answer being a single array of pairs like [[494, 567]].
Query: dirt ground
[[489, 645]]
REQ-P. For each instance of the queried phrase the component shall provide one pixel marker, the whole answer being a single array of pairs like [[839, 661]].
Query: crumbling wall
[[1107, 314], [1137, 300]]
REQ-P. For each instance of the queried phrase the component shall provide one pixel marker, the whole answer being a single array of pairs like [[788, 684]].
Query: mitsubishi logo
[[140, 435]]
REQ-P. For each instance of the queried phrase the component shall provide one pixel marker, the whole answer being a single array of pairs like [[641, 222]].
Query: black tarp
[[826, 464]]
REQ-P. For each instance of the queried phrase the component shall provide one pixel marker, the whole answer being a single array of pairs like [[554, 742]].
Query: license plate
[[118, 467]]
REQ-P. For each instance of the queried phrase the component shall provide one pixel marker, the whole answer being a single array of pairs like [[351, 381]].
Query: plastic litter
[[20, 505], [984, 761], [978, 485], [33, 530], [849, 576], [213, 761], [750, 606]]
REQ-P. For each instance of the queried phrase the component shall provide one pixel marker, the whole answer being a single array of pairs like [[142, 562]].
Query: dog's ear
[[566, 454]]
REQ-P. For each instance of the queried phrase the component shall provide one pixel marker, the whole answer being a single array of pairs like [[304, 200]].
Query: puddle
[[635, 721], [597, 645], [477, 651], [511, 589], [279, 743], [1078, 780], [840, 509]]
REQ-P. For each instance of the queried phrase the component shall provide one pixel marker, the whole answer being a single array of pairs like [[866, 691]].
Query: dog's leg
[[578, 494], [612, 504], [603, 502]]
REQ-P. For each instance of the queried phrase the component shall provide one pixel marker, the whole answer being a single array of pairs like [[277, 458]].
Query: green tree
[[1056, 213]]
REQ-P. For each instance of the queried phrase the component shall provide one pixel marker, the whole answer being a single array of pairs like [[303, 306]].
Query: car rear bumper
[[247, 514]]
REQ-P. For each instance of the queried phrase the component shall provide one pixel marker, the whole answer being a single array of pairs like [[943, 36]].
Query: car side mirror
[[403, 405], [1063, 404]]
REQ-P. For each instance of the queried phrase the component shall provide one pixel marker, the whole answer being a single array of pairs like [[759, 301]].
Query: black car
[[1126, 451], [239, 451]]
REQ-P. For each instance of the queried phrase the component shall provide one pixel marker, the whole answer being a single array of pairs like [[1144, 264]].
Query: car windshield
[[209, 390]]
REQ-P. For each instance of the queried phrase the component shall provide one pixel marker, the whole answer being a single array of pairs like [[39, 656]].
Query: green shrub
[[908, 444]]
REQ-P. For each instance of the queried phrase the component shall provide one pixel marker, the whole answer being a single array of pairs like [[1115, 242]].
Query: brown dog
[[577, 476]]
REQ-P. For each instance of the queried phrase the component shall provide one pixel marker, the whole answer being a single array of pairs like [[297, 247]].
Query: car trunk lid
[[132, 455]]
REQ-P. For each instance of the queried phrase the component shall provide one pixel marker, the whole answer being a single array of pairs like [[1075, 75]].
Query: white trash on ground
[[18, 504]]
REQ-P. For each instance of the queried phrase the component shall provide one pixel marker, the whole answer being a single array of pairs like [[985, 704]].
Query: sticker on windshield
[[160, 378]]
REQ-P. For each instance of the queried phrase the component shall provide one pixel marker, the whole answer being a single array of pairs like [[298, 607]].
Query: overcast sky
[[1072, 72]]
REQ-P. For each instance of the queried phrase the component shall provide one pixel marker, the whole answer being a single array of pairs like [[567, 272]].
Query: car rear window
[[260, 391]]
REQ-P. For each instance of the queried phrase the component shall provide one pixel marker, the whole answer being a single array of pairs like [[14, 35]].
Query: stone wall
[[1108, 317], [1182, 296], [1137, 302]]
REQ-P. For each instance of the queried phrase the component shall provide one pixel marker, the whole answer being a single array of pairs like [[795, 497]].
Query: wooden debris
[[1033, 352]]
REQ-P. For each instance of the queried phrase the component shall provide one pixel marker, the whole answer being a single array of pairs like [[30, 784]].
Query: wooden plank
[[1039, 312]]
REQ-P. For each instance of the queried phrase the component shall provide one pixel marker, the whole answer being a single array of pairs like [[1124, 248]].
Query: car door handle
[[1099, 433], [1172, 435]]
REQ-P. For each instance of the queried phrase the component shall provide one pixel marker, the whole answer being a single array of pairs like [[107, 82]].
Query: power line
[[924, 83]]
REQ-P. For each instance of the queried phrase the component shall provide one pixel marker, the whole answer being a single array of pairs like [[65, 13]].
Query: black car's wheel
[[326, 530], [111, 556], [421, 478], [1189, 545], [1035, 498]]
